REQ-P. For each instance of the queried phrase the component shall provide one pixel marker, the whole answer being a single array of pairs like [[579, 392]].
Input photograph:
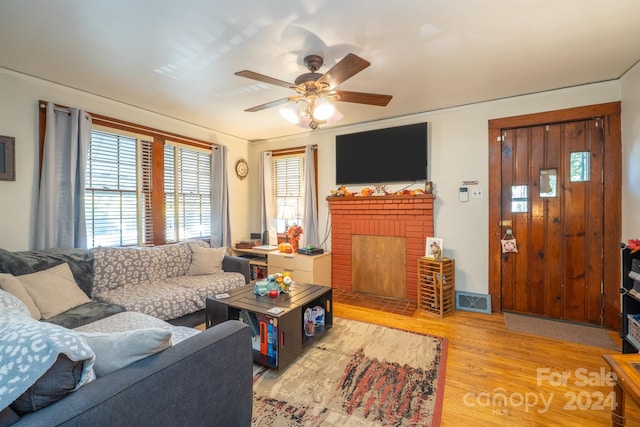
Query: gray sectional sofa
[[196, 379], [151, 280]]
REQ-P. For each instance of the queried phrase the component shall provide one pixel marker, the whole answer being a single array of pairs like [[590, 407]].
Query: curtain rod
[[292, 150], [56, 108], [140, 128]]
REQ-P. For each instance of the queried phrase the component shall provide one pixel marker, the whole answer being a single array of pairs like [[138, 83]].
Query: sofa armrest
[[205, 379], [237, 264]]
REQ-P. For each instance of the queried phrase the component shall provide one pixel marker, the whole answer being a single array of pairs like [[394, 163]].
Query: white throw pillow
[[116, 350], [54, 290], [11, 284], [206, 260]]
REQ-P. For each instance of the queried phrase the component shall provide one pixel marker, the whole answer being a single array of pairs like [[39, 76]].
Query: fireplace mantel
[[405, 216]]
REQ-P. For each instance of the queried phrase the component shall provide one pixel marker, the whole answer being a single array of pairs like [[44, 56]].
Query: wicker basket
[[633, 333]]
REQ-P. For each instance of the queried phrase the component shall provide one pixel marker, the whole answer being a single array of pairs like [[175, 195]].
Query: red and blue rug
[[359, 374]]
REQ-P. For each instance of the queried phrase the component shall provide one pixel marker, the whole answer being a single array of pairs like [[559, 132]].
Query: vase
[[294, 245]]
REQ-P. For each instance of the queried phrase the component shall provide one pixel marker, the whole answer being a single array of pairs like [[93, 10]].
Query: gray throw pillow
[[116, 350]]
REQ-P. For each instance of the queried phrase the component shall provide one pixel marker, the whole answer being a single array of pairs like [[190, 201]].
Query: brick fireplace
[[407, 217]]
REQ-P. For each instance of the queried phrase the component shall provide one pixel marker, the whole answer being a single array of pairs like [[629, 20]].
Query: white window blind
[[287, 186], [187, 183], [111, 196]]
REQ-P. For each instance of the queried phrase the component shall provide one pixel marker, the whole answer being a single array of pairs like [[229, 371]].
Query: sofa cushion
[[9, 283], [158, 299], [59, 380], [118, 267], [54, 290], [202, 287], [118, 349], [206, 260], [85, 313], [131, 321]]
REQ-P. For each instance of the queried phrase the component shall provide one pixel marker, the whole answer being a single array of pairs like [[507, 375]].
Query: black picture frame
[[7, 158]]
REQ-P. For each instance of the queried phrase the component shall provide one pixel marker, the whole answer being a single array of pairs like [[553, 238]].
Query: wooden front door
[[552, 195], [555, 181]]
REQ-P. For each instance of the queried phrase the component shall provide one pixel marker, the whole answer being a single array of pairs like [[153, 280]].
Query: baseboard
[[478, 303]]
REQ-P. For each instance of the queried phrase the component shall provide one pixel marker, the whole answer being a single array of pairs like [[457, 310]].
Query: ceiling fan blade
[[362, 97], [348, 67], [265, 79], [268, 105]]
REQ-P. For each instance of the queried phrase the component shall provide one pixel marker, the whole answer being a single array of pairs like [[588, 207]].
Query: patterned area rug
[[357, 375]]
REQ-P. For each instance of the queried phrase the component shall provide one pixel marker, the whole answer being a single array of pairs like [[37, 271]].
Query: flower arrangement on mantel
[[379, 190]]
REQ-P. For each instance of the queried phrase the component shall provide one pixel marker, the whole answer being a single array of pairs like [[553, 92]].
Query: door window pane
[[579, 166], [548, 182], [519, 202]]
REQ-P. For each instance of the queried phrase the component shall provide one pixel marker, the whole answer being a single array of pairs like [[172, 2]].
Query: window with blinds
[[187, 183], [288, 186], [111, 195]]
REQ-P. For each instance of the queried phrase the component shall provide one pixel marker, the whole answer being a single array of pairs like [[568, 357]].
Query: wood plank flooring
[[496, 377]]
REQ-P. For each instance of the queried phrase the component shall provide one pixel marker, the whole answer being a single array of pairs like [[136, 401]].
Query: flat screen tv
[[387, 155]]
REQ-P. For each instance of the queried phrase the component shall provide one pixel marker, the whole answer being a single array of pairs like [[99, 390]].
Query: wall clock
[[242, 168]]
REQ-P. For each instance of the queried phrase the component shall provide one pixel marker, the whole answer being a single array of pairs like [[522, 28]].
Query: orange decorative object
[[293, 234], [284, 248]]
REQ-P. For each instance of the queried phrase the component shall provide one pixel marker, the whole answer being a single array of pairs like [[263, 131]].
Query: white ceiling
[[178, 58]]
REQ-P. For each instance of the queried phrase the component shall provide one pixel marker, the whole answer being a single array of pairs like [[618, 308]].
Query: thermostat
[[464, 194]]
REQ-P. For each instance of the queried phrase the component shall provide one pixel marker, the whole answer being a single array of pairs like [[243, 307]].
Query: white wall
[[458, 152], [630, 86], [19, 97]]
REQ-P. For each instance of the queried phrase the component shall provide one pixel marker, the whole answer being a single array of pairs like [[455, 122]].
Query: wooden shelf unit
[[436, 286], [257, 261]]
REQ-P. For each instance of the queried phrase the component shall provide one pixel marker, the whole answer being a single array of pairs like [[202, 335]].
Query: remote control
[[220, 296]]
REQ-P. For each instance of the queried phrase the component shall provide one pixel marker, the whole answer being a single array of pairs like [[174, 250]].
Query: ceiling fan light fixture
[[336, 116], [290, 113], [323, 109]]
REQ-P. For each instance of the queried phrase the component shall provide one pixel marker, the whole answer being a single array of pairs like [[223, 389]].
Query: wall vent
[[479, 303]]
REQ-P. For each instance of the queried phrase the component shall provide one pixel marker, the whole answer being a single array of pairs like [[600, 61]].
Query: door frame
[[612, 187]]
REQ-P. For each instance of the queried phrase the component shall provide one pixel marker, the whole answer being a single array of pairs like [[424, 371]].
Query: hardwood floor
[[545, 382]]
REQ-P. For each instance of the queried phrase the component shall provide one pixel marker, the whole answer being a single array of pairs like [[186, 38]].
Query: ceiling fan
[[315, 91]]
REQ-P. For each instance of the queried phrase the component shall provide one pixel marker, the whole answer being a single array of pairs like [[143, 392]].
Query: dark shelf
[[630, 303]]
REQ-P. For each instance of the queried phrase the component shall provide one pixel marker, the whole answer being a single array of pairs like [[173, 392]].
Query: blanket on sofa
[[28, 349]]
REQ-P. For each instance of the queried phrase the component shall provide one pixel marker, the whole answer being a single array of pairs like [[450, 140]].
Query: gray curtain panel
[[61, 217], [220, 225], [310, 208], [267, 221]]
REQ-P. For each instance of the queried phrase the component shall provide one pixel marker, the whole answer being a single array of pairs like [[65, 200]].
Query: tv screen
[[382, 156]]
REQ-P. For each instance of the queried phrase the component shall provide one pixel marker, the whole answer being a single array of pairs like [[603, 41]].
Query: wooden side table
[[626, 368], [436, 286]]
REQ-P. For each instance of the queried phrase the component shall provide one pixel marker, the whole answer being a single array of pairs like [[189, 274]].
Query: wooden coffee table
[[281, 336]]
